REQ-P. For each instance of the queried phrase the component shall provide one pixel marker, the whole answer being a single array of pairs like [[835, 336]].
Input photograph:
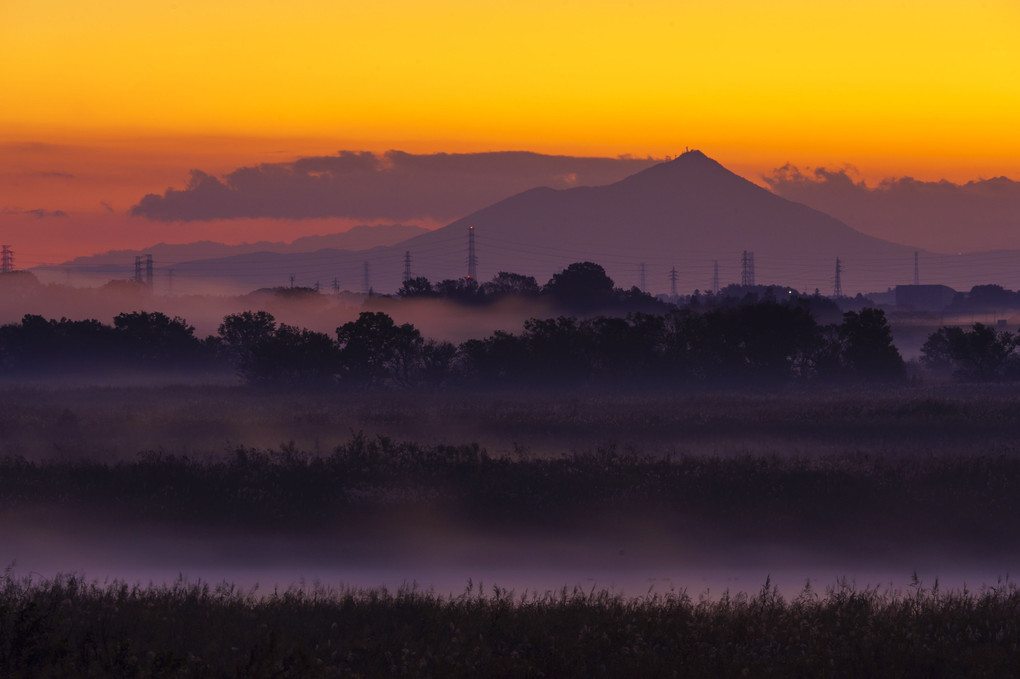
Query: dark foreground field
[[602, 489], [67, 627]]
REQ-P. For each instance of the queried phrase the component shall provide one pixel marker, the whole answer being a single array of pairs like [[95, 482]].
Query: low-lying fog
[[631, 562], [319, 312], [435, 319]]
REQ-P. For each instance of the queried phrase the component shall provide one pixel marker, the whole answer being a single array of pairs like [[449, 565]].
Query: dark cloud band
[[943, 216], [393, 185]]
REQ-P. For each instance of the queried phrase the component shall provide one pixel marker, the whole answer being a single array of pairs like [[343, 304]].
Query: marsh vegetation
[[69, 627]]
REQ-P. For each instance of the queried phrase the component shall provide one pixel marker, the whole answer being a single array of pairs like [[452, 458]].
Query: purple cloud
[[394, 185], [940, 216]]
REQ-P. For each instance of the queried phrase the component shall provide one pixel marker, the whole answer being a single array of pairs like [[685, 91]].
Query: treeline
[[984, 299], [980, 354], [585, 288], [767, 336], [763, 343], [581, 287]]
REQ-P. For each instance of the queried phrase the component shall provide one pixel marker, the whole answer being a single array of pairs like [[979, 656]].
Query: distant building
[[924, 297]]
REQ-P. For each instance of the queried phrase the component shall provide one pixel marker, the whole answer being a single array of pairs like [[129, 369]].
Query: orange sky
[[130, 95]]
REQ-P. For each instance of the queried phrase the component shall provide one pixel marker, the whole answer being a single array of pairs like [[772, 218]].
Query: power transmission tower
[[368, 282], [672, 282], [747, 269], [642, 284], [472, 261], [837, 288], [336, 285], [6, 259], [138, 268], [917, 270], [715, 277], [292, 280], [148, 271], [316, 286], [407, 265]]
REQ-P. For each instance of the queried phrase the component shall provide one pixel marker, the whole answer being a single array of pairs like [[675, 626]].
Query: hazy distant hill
[[360, 237], [688, 213]]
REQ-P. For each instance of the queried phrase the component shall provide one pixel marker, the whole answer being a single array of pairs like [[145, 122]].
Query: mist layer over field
[[523, 489], [301, 307]]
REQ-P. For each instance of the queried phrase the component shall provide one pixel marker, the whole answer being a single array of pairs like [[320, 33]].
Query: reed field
[[69, 627]]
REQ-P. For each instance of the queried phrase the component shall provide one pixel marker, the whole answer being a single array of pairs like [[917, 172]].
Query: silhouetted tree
[[242, 334], [560, 349], [294, 355], [765, 342], [984, 299], [505, 283], [500, 358], [867, 347], [156, 339], [38, 345], [436, 363], [980, 354], [628, 349], [373, 349], [416, 287], [463, 290], [581, 286], [686, 348]]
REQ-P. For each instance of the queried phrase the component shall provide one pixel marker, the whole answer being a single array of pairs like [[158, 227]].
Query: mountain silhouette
[[689, 213]]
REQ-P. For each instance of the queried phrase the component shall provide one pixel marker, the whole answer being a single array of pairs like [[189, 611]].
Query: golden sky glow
[[932, 83], [127, 96]]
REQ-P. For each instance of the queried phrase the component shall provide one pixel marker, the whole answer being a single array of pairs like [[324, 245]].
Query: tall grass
[[69, 627]]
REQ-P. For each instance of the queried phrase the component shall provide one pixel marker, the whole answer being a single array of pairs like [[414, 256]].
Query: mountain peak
[[691, 172], [692, 154]]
